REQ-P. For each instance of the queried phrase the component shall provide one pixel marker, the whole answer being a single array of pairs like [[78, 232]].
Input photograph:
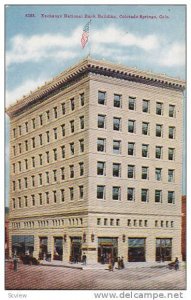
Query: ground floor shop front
[[96, 248]]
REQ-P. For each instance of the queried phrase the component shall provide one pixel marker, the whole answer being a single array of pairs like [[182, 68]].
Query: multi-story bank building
[[96, 165]]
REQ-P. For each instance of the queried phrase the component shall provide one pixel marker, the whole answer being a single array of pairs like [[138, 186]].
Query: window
[[117, 147], [144, 195], [130, 194], [19, 166], [62, 173], [117, 124], [19, 199], [101, 168], [14, 185], [82, 99], [40, 120], [71, 193], [101, 145], [55, 112], [158, 152], [40, 159], [54, 196], [55, 175], [145, 106], [26, 164], [47, 157], [26, 182], [131, 148], [117, 100], [63, 151], [81, 142], [167, 223], [105, 222], [171, 152], [47, 136], [26, 201], [20, 148], [72, 148], [63, 130], [32, 180], [26, 127], [111, 222], [98, 221], [117, 222], [71, 171], [145, 173], [101, 121], [170, 175], [19, 184], [82, 122], [116, 170], [63, 105], [158, 174], [145, 128], [159, 108], [161, 223], [14, 132], [40, 198], [20, 130], [72, 104], [81, 165], [131, 103], [33, 142], [171, 110], [116, 193], [26, 145], [72, 126], [48, 115], [47, 197], [172, 223], [55, 154], [145, 150], [158, 130], [33, 161], [33, 123], [47, 177], [131, 171], [101, 97], [140, 223], [129, 222], [158, 196], [55, 133], [171, 132], [40, 179], [33, 200], [131, 126], [100, 192], [145, 223], [81, 191], [171, 197], [62, 195]]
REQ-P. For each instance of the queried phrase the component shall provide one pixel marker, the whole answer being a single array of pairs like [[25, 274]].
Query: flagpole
[[89, 54]]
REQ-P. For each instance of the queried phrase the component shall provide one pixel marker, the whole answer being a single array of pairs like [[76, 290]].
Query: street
[[59, 278]]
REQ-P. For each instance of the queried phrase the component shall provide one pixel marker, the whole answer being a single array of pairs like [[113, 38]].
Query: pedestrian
[[110, 262], [84, 259], [122, 263], [76, 259], [113, 263], [15, 263], [176, 264]]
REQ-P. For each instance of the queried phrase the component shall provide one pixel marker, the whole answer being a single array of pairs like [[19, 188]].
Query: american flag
[[85, 34]]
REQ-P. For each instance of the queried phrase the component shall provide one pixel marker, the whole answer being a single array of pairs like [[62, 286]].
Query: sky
[[38, 47]]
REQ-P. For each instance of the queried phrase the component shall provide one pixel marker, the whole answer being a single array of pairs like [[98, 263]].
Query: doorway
[[76, 249], [107, 249]]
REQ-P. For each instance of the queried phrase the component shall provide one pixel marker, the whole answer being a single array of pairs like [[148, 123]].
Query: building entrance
[[136, 249], [107, 249], [76, 249], [58, 248], [163, 249]]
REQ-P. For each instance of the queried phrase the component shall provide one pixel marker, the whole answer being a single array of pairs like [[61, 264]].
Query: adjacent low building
[[96, 165]]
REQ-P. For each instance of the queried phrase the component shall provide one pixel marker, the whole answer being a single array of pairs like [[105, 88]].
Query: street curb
[[61, 266]]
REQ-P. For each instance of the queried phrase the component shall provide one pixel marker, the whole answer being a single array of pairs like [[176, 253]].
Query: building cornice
[[85, 67]]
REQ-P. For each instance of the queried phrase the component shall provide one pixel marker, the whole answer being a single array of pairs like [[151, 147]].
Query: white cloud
[[172, 56], [23, 89]]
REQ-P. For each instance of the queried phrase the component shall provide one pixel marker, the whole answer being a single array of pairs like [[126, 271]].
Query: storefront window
[[163, 249], [136, 249]]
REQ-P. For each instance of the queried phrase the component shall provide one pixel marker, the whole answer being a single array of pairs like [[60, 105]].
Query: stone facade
[[93, 168]]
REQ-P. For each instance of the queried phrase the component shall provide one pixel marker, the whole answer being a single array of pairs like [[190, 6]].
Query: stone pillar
[[66, 248], [150, 249], [36, 246], [92, 248], [176, 246], [123, 247]]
